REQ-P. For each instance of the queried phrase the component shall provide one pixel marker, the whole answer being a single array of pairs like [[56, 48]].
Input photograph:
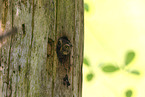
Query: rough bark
[[30, 63]]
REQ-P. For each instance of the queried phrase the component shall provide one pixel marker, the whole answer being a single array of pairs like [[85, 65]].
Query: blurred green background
[[114, 48]]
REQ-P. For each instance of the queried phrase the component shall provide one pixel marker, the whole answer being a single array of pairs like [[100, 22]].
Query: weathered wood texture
[[30, 64]]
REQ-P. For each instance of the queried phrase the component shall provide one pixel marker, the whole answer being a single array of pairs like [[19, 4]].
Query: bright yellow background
[[113, 27]]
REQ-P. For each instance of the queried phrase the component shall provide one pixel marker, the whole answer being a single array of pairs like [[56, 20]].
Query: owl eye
[[60, 42], [66, 46]]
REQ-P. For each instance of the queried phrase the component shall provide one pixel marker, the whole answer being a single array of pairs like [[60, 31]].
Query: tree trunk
[[31, 64]]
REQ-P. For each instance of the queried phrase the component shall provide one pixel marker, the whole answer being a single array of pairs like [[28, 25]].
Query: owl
[[63, 47]]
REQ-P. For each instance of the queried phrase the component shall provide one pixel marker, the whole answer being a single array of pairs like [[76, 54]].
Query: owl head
[[64, 46]]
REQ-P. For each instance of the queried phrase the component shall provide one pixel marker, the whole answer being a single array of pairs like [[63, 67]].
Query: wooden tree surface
[[30, 62]]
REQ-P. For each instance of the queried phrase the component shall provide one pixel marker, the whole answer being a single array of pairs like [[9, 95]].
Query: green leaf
[[129, 57], [136, 72], [128, 93], [90, 76], [86, 62], [110, 68], [86, 6]]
